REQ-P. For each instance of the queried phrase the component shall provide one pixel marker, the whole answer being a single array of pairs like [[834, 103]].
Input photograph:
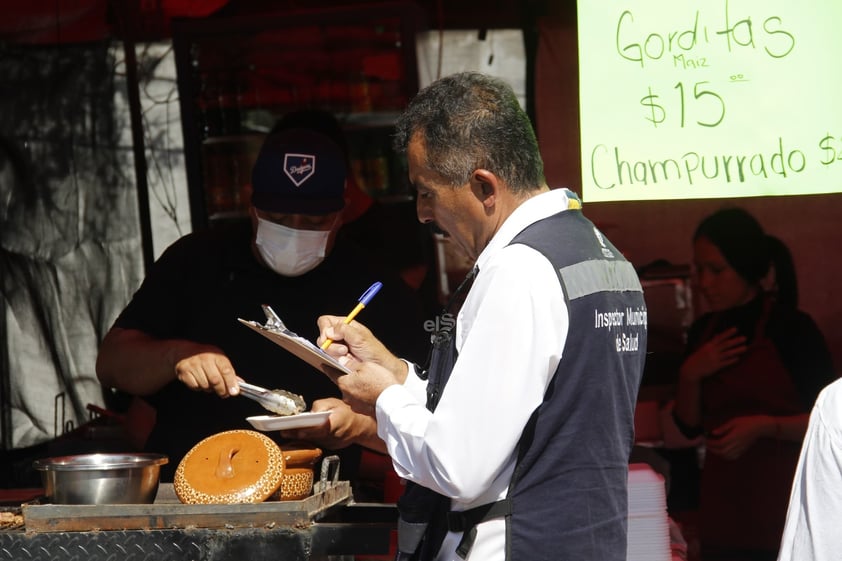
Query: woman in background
[[753, 368]]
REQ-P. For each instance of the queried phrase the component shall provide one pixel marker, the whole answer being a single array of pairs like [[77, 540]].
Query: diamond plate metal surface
[[257, 544], [354, 531], [111, 546]]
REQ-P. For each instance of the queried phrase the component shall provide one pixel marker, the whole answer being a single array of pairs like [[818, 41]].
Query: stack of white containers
[[648, 537]]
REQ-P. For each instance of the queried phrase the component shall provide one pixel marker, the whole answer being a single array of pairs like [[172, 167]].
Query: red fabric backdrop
[[79, 21]]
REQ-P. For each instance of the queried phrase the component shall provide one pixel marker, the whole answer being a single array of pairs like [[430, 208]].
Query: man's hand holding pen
[[375, 367]]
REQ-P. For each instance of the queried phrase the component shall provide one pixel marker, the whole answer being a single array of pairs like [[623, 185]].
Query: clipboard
[[276, 332]]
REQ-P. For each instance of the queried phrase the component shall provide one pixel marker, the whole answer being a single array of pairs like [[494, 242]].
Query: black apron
[[422, 525]]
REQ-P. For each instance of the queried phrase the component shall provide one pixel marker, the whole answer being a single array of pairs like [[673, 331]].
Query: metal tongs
[[281, 402]]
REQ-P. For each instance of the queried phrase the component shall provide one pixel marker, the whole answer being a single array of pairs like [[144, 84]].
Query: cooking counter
[[326, 525]]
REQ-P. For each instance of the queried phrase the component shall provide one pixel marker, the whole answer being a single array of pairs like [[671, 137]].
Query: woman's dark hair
[[786, 281], [750, 251]]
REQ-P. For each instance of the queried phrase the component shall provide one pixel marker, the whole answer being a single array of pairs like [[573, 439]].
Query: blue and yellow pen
[[362, 303]]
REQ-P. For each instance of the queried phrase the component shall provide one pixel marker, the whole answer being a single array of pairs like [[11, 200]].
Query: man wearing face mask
[[178, 341]]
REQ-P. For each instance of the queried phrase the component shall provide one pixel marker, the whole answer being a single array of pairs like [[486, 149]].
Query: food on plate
[[280, 402], [287, 403]]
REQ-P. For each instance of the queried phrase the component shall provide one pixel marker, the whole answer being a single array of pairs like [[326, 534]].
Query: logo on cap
[[299, 167]]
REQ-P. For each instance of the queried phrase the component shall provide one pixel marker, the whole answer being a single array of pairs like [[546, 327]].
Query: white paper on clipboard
[[302, 348]]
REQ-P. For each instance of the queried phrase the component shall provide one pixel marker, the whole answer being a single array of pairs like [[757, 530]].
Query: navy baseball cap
[[299, 171]]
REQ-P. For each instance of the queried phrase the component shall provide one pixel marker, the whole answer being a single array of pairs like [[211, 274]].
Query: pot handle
[[329, 476]]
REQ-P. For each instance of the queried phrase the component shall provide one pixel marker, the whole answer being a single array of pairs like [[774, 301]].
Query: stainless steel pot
[[101, 478]]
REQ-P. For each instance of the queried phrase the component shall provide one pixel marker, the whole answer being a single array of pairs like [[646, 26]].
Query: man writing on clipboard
[[516, 437]]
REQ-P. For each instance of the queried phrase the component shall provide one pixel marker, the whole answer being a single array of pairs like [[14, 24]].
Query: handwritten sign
[[709, 99]]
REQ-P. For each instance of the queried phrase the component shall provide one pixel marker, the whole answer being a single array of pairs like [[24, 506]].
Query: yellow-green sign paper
[[709, 99]]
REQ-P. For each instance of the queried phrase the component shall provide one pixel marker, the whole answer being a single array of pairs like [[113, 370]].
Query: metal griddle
[[167, 512], [328, 525]]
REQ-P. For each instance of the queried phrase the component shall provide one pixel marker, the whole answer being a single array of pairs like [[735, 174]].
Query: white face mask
[[288, 251]]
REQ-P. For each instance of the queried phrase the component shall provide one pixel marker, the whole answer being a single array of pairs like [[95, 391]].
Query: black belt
[[466, 521]]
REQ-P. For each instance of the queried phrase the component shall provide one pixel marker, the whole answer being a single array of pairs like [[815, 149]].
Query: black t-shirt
[[205, 281]]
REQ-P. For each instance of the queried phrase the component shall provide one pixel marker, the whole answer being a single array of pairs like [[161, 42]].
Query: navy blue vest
[[568, 499]]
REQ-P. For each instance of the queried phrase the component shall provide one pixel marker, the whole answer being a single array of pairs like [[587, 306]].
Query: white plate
[[275, 422]]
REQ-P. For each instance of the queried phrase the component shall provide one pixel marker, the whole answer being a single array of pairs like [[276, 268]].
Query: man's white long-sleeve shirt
[[510, 335], [815, 505]]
